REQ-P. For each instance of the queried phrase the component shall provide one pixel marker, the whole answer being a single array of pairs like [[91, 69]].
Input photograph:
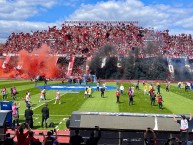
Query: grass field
[[175, 101]]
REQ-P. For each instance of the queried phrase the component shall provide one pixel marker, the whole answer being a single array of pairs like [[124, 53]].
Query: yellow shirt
[[89, 90], [145, 88]]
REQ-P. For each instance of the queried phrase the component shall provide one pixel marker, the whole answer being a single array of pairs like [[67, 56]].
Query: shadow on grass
[[120, 102], [105, 97]]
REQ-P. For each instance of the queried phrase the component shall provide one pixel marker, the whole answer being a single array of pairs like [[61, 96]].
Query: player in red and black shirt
[[118, 96], [159, 101]]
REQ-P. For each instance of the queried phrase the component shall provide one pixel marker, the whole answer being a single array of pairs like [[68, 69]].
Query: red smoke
[[32, 64]]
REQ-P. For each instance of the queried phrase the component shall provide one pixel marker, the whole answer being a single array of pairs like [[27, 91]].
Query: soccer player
[[89, 91], [85, 92], [160, 100], [57, 97], [102, 91], [118, 95], [42, 95], [121, 89], [130, 96], [144, 89]]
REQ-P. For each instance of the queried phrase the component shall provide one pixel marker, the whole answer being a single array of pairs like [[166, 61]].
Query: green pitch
[[175, 101]]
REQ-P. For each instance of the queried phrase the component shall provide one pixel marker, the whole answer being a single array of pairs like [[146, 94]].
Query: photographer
[[50, 139], [21, 136], [149, 137], [94, 140]]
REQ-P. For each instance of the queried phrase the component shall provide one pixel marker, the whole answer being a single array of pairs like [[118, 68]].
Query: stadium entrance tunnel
[[70, 87]]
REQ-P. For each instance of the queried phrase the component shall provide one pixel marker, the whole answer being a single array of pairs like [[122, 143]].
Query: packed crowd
[[78, 38], [176, 46], [83, 38]]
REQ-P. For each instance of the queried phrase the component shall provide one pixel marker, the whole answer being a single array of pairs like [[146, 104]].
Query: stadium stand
[[82, 39]]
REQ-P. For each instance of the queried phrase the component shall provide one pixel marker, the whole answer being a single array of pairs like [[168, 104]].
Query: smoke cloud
[[29, 65]]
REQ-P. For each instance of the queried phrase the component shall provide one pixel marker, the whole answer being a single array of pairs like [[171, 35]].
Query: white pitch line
[[43, 104], [156, 124], [64, 119], [61, 122]]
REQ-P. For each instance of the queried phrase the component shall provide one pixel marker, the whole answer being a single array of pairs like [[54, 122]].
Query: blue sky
[[32, 15]]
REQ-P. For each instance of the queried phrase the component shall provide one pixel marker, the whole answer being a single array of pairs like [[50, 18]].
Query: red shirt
[[21, 137], [118, 94], [29, 139], [159, 99]]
